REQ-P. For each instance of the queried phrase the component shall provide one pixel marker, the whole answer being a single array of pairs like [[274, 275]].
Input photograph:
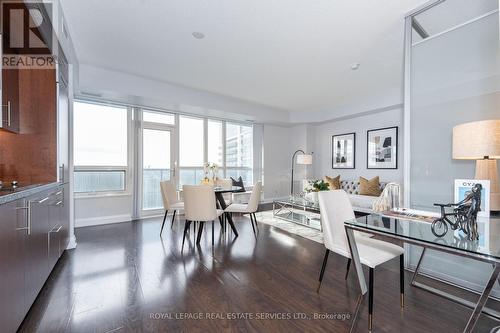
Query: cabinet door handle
[[8, 114], [56, 231], [28, 218], [61, 173], [43, 200]]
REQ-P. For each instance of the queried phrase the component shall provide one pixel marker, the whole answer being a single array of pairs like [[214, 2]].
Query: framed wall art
[[344, 151], [382, 148]]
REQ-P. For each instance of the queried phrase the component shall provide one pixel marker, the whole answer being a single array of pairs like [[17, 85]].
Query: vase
[[312, 196]]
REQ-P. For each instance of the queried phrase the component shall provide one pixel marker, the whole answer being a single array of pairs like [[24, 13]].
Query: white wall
[[277, 161], [323, 145], [95, 210]]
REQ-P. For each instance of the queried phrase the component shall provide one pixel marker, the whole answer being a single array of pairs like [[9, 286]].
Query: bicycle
[[440, 225]]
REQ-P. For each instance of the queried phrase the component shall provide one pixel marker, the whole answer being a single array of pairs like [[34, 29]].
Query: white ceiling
[[290, 54]]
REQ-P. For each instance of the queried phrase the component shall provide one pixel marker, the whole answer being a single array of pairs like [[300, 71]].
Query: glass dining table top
[[488, 245], [221, 189], [227, 189]]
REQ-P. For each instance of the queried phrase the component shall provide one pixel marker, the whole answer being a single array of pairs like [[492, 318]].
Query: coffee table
[[298, 210]]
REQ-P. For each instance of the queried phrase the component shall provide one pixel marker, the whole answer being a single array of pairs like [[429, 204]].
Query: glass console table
[[298, 210]]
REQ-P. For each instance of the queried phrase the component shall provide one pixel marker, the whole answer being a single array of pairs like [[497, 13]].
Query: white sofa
[[360, 203]]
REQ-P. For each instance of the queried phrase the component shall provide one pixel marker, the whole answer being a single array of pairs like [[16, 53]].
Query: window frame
[[127, 191]]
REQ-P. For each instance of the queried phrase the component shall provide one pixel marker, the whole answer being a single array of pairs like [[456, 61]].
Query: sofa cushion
[[333, 183], [239, 183], [352, 187], [369, 187]]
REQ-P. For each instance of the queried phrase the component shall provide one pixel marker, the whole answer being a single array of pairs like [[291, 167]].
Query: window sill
[[102, 195]]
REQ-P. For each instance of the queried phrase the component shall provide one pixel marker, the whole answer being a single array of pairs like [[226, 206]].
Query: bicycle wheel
[[439, 228]]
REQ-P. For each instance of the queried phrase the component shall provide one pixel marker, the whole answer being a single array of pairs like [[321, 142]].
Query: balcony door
[[157, 166]]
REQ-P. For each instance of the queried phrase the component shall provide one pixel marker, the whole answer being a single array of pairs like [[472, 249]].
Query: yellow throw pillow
[[369, 187], [333, 183]]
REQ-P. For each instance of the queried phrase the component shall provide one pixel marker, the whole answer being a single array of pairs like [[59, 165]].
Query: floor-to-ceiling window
[[191, 150], [157, 156], [239, 152], [125, 149], [100, 148]]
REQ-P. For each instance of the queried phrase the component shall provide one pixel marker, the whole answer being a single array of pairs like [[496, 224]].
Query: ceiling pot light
[[198, 35], [355, 66]]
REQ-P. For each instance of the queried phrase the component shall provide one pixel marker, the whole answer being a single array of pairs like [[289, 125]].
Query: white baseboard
[[88, 222], [72, 243]]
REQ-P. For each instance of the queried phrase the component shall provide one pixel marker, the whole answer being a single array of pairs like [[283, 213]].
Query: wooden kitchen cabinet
[[10, 100]]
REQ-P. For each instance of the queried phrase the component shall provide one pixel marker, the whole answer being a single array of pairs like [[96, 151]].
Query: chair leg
[[163, 224], [251, 221], [186, 228], [325, 260], [402, 279], [370, 301], [255, 220], [213, 235], [348, 266], [200, 231], [173, 219]]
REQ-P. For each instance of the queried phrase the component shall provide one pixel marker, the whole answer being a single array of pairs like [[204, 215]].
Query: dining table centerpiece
[[210, 171]]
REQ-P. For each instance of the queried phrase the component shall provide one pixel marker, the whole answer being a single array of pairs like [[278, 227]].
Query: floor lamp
[[480, 141], [303, 159]]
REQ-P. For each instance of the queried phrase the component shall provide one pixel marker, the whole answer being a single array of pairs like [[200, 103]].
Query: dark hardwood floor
[[125, 278]]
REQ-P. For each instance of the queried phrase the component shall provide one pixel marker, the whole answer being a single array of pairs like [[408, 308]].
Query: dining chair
[[335, 209], [170, 201], [199, 206], [250, 208]]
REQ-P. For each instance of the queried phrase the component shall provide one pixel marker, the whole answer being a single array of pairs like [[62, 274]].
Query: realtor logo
[[27, 36]]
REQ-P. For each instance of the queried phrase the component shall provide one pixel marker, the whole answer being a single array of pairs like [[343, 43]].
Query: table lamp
[[304, 159], [480, 141]]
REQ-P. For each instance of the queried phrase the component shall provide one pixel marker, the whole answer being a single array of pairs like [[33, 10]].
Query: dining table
[[415, 232], [221, 202]]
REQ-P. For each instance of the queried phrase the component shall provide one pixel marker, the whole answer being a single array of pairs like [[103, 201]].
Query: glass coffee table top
[[298, 210], [299, 202]]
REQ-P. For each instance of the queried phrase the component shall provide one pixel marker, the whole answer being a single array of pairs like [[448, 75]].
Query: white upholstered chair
[[170, 201], [335, 209], [250, 208], [199, 206], [225, 183]]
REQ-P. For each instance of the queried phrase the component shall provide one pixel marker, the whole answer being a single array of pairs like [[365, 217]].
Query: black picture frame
[[353, 137], [395, 149]]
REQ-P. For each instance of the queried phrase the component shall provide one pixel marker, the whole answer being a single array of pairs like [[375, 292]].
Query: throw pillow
[[239, 183], [333, 183], [369, 187]]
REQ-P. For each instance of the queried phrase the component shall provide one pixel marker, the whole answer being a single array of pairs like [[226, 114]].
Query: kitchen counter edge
[[28, 192]]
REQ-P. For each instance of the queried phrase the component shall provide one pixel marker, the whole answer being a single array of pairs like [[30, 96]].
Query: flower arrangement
[[314, 187], [212, 168], [317, 186]]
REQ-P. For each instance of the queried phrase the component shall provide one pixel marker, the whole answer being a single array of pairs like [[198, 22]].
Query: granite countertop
[[25, 191]]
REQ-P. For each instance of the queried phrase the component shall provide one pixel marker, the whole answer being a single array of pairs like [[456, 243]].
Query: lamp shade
[[305, 159], [477, 140]]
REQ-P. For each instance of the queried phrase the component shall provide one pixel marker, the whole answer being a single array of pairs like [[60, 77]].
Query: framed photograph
[[343, 151], [382, 148], [463, 187]]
